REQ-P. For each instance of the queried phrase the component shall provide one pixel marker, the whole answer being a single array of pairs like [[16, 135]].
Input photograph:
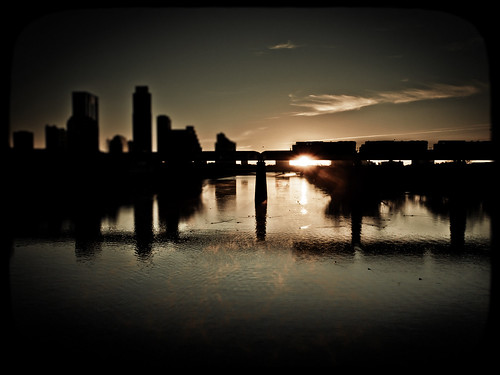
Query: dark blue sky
[[266, 77]]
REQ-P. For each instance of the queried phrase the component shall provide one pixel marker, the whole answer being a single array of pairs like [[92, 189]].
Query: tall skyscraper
[[163, 127], [141, 120], [83, 125]]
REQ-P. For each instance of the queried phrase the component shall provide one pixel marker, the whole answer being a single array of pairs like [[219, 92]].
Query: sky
[[265, 77]]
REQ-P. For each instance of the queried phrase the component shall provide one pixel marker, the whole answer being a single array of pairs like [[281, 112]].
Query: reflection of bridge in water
[[146, 232], [152, 227]]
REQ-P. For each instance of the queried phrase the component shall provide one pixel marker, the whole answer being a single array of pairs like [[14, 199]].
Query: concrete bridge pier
[[260, 183]]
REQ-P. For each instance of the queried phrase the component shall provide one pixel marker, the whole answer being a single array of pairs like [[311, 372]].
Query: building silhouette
[[23, 141], [55, 139], [189, 146], [163, 128], [225, 150], [176, 144], [117, 145], [83, 125], [224, 144], [141, 120]]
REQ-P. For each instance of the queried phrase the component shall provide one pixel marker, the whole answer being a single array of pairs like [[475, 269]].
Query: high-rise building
[[163, 128], [55, 138], [141, 120], [176, 144], [83, 125]]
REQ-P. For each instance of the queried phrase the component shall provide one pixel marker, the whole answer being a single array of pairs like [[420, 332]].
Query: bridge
[[416, 151], [370, 150]]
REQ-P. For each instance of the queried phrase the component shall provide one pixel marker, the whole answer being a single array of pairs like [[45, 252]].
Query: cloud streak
[[327, 104], [287, 45], [474, 128]]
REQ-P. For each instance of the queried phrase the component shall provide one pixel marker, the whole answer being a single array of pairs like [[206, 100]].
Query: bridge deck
[[284, 155]]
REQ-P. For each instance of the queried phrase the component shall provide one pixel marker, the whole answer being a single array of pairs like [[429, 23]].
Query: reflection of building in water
[[83, 125], [143, 223], [225, 193], [342, 208], [176, 144], [87, 229], [170, 216], [458, 219], [172, 209], [345, 208], [454, 208], [356, 224]]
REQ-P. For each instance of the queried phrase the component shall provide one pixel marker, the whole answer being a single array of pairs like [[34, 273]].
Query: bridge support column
[[261, 184]]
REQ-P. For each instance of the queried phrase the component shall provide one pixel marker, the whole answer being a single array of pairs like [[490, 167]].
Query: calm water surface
[[306, 280]]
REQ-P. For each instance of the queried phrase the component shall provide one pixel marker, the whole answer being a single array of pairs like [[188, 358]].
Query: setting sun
[[306, 161]]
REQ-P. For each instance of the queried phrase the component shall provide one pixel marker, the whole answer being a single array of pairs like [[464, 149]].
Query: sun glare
[[303, 161], [306, 161]]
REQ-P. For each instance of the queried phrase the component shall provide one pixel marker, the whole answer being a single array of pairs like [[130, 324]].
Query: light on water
[[306, 279]]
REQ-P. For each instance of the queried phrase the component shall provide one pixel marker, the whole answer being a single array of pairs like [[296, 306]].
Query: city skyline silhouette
[[250, 187], [305, 74], [81, 137]]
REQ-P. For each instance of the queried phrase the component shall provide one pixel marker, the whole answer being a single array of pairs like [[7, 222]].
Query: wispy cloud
[[280, 46], [472, 128], [327, 104], [324, 104], [287, 45]]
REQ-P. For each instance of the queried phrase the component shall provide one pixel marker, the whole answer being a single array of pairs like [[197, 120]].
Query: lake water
[[210, 280]]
